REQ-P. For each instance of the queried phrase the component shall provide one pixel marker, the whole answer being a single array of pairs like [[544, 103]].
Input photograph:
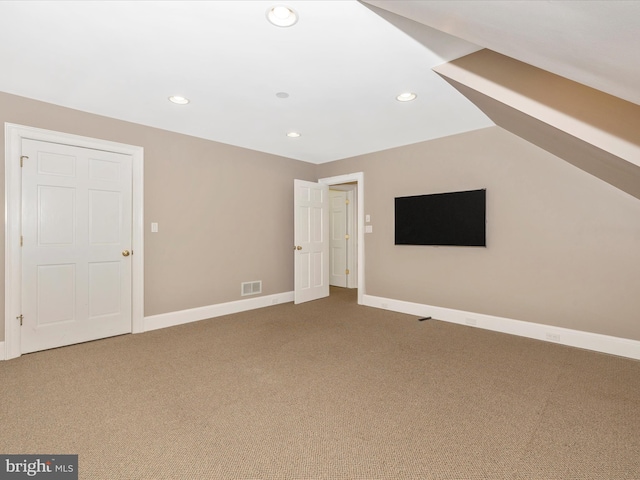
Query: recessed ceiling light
[[282, 16], [406, 97], [293, 134], [282, 95], [178, 99]]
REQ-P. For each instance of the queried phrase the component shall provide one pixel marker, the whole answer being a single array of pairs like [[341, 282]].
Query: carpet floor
[[325, 390]]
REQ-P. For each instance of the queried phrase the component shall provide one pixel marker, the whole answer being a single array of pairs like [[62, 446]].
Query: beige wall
[[562, 244], [225, 213]]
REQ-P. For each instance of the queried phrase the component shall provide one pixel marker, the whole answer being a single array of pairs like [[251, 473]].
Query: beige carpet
[[326, 390]]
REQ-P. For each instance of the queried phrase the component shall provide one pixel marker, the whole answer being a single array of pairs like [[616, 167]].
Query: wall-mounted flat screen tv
[[453, 218]]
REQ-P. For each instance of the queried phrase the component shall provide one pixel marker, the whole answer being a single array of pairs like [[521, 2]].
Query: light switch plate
[[154, 227]]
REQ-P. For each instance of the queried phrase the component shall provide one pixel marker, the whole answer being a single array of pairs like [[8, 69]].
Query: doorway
[[355, 183], [343, 236]]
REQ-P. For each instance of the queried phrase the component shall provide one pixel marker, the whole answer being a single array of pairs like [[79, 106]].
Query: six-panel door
[[311, 238], [76, 225]]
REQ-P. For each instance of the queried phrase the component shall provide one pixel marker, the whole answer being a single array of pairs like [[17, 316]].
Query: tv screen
[[454, 218]]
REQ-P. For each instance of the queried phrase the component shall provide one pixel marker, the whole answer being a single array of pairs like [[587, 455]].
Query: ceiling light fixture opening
[[406, 97], [179, 100], [293, 134], [282, 16]]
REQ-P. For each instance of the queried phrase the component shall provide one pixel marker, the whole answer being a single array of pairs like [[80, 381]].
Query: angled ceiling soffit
[[590, 129]]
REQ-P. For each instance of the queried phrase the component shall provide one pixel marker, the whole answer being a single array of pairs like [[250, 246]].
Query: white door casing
[[14, 136], [76, 230], [311, 241], [338, 238]]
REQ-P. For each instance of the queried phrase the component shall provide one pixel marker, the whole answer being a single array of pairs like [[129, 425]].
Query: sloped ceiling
[[592, 42], [591, 129]]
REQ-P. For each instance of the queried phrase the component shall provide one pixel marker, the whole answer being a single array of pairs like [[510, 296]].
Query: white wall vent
[[251, 288]]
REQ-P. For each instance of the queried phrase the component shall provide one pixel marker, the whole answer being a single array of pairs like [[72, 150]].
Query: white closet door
[[76, 254]]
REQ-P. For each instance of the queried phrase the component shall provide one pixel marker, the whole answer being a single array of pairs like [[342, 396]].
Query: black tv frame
[[442, 219]]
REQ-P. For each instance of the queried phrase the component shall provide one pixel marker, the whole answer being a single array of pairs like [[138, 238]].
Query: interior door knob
[[125, 253], [298, 247]]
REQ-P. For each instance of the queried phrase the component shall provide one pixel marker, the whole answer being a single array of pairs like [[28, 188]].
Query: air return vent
[[251, 288]]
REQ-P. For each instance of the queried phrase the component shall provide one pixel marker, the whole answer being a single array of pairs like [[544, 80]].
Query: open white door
[[311, 241]]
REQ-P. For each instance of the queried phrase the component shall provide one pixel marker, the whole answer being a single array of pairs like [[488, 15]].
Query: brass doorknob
[[125, 253], [298, 247]]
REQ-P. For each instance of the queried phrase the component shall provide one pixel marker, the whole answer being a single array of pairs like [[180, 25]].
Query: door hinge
[[20, 317], [346, 201], [347, 237], [346, 272], [22, 159], [21, 240]]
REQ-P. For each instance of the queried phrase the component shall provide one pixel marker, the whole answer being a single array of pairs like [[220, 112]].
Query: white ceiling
[[342, 64]]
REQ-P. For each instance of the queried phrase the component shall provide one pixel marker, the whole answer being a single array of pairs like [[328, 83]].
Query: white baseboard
[[575, 338], [3, 355], [171, 319]]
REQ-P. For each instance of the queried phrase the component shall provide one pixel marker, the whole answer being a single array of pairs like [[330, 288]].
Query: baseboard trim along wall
[[171, 319], [574, 338]]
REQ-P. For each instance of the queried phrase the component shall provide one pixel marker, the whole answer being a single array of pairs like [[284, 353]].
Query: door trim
[[358, 178], [14, 134]]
